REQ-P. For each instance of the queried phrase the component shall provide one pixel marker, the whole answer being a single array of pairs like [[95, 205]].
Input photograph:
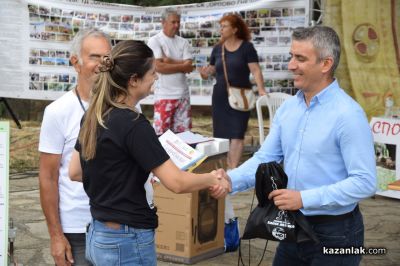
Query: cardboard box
[[191, 225]]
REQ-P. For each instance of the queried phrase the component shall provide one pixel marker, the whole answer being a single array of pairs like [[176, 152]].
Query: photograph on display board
[[195, 90], [157, 19], [55, 82], [200, 60], [206, 91], [385, 156], [188, 34]]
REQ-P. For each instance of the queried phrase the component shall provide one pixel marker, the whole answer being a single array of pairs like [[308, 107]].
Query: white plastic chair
[[272, 100]]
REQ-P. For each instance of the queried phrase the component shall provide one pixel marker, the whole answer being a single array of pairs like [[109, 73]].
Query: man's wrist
[[228, 178], [57, 236], [56, 231]]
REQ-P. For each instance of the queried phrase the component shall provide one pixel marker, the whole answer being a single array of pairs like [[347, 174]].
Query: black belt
[[319, 219]]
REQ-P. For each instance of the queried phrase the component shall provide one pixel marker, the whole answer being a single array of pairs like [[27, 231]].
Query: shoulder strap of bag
[[224, 65], [240, 258], [260, 185]]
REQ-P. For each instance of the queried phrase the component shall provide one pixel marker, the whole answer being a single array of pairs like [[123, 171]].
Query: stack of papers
[[192, 138], [180, 152]]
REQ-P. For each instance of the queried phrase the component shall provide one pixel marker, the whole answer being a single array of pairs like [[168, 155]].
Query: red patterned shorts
[[174, 114]]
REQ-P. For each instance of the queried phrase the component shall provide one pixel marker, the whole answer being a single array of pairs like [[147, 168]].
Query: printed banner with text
[[35, 38]]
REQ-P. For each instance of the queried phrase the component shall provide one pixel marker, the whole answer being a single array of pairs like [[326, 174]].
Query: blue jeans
[[346, 233], [77, 242], [106, 246]]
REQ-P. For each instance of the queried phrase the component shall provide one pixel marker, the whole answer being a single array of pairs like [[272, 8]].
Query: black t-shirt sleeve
[[144, 146], [251, 53], [78, 148], [77, 145]]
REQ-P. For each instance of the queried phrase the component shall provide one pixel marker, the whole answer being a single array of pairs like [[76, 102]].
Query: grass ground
[[24, 155]]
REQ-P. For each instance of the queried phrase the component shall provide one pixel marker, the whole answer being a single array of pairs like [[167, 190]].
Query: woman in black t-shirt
[[118, 149]]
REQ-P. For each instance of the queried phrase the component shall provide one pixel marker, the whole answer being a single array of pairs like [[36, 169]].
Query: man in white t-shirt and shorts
[[173, 62], [64, 202]]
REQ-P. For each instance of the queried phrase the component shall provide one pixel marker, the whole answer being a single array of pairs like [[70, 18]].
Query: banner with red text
[[386, 132]]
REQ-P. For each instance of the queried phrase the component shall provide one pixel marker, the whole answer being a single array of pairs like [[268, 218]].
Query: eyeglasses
[[222, 26]]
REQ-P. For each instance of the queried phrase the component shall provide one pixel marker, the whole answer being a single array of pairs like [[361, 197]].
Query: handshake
[[223, 186]]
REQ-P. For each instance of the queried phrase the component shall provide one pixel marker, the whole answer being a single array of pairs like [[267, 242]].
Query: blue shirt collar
[[323, 96]]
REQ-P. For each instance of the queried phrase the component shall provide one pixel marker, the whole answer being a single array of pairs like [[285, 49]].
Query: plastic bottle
[[389, 105]]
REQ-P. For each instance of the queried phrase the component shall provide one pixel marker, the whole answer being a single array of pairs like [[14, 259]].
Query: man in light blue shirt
[[323, 138]]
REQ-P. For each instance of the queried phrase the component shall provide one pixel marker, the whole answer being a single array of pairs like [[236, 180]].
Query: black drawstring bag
[[266, 220]]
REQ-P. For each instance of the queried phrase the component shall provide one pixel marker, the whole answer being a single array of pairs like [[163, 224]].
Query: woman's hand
[[206, 71], [75, 169], [258, 77], [262, 92]]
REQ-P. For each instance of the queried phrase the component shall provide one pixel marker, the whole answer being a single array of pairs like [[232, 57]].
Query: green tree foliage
[[155, 2]]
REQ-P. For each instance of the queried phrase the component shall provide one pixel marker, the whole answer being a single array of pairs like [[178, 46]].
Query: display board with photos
[[4, 189], [51, 25]]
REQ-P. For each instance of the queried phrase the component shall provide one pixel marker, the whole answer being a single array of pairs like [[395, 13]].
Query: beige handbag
[[241, 99]]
